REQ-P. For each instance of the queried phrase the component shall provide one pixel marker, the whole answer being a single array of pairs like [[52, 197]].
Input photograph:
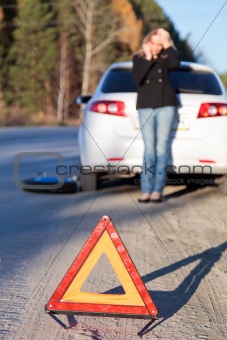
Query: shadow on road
[[171, 302]]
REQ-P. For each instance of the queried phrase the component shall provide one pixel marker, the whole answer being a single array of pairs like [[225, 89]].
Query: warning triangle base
[[146, 329]]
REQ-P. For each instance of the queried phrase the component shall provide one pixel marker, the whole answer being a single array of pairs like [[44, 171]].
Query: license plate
[[183, 125]]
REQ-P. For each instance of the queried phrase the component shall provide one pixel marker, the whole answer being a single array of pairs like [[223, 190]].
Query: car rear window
[[184, 80], [119, 80]]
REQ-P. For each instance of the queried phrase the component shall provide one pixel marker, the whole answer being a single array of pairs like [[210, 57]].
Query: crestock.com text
[[69, 170]]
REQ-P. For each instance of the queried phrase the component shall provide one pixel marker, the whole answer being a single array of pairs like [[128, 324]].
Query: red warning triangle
[[68, 297]]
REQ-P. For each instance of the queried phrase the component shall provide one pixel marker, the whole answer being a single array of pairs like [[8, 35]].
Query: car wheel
[[89, 182]]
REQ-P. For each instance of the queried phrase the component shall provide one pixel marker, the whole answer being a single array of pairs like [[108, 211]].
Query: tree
[[7, 14], [131, 27], [92, 31], [151, 14], [100, 28], [32, 57]]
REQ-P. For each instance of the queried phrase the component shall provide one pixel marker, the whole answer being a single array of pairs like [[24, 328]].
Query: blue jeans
[[156, 128]]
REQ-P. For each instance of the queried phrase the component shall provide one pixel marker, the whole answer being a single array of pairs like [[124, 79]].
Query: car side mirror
[[83, 99]]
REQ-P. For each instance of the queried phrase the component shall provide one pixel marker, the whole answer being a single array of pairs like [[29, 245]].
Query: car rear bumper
[[101, 150]]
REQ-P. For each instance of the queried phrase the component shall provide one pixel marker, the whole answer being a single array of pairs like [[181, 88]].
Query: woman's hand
[[147, 51], [165, 37]]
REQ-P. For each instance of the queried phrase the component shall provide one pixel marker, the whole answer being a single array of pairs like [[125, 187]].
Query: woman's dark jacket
[[152, 77]]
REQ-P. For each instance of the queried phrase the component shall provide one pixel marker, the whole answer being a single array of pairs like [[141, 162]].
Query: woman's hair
[[147, 38]]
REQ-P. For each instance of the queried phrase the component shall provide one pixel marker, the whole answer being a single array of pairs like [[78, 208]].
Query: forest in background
[[52, 51]]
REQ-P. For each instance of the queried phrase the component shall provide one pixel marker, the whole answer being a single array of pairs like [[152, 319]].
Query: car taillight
[[212, 110], [110, 107]]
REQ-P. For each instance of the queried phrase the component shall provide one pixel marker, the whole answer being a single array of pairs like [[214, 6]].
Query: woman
[[157, 106]]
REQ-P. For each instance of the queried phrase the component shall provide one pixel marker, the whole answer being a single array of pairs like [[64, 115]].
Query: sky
[[206, 26]]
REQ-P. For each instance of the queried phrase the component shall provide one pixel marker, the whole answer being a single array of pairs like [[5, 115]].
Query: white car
[[110, 141]]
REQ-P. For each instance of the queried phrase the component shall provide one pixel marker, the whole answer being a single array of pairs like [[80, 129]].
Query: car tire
[[89, 182]]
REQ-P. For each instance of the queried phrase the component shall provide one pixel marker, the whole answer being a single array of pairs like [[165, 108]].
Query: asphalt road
[[178, 247]]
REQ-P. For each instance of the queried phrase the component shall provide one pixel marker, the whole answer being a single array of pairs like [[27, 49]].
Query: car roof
[[194, 66]]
